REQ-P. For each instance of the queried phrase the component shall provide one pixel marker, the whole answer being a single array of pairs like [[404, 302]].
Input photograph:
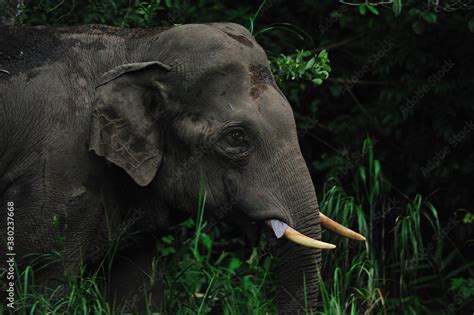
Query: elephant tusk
[[295, 236], [298, 238], [339, 229]]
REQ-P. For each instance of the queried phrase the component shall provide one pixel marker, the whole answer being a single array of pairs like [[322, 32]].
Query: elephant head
[[202, 103]]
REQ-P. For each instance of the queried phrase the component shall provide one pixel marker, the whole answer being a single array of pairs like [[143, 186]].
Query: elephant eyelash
[[234, 145]]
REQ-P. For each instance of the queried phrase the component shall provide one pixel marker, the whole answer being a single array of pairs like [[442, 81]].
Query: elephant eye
[[235, 138], [235, 145]]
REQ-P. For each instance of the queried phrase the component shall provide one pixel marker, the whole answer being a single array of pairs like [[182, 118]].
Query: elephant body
[[105, 131], [47, 169]]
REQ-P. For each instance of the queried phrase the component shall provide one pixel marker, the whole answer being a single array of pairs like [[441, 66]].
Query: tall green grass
[[398, 270], [200, 278]]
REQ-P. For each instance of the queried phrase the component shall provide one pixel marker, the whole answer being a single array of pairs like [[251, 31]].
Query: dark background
[[403, 79]]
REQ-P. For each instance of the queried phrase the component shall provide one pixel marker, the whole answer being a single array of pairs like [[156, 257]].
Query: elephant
[[107, 128]]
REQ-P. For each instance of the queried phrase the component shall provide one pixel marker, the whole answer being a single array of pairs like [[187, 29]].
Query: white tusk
[[339, 229], [296, 237]]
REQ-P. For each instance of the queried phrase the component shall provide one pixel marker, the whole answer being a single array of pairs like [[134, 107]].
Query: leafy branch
[[304, 64]]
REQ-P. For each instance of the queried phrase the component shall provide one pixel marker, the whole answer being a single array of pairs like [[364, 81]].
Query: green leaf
[[310, 63], [470, 25], [234, 264], [167, 239], [323, 54], [189, 223], [166, 251], [251, 25], [377, 168], [362, 9], [417, 27], [415, 12], [206, 241], [457, 283], [372, 9], [430, 17], [362, 174], [468, 218], [397, 7]]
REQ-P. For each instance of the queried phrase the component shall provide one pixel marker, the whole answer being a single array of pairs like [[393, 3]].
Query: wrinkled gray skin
[[199, 101]]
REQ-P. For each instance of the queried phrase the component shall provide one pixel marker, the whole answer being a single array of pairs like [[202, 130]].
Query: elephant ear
[[123, 127]]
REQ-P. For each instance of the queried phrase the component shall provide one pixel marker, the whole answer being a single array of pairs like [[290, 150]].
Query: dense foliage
[[382, 97]]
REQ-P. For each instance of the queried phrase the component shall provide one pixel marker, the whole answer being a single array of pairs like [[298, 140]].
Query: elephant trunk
[[297, 218], [297, 266], [299, 253]]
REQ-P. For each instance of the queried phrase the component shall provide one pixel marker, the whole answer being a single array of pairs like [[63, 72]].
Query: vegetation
[[383, 100]]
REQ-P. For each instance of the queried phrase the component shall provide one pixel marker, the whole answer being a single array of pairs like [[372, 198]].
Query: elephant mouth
[[281, 229]]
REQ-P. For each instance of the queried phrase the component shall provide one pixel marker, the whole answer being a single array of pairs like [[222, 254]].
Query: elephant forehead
[[199, 36], [260, 74], [200, 46], [251, 89], [236, 32], [270, 112]]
